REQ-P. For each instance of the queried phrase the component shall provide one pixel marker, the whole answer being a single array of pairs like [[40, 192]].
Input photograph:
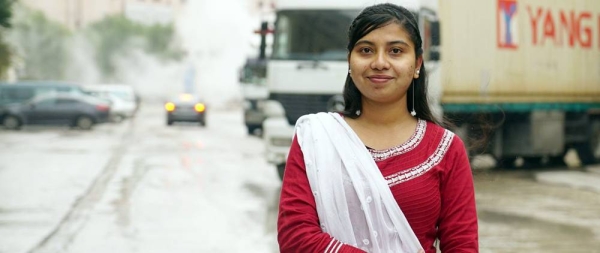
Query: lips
[[379, 78]]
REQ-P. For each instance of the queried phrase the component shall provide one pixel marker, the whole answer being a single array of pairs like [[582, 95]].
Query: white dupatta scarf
[[354, 203]]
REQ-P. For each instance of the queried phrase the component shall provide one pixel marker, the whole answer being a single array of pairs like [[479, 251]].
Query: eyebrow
[[389, 43]]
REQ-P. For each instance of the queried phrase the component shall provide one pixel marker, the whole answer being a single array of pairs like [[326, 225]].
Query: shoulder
[[440, 136], [443, 143], [449, 150], [447, 137], [312, 117]]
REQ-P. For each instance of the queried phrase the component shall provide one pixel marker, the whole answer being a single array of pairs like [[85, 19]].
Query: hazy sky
[[218, 36]]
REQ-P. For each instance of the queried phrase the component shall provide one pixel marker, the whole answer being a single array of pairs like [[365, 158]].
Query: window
[[312, 34], [65, 101], [48, 102]]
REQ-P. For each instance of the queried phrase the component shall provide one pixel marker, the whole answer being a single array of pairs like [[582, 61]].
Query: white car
[[122, 97]]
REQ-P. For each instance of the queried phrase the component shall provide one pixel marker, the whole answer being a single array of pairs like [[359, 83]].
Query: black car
[[25, 90], [186, 107], [56, 109]]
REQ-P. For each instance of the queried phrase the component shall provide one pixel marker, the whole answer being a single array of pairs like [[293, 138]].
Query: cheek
[[405, 68]]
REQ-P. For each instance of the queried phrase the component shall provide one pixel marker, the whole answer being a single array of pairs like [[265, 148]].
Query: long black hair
[[372, 18]]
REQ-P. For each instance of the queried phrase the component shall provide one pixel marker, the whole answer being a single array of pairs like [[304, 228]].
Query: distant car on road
[[186, 107], [123, 99], [56, 109]]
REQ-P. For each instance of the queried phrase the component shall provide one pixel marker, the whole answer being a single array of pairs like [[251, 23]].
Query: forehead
[[387, 33]]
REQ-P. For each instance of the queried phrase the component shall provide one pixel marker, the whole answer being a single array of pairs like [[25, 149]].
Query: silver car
[[187, 108]]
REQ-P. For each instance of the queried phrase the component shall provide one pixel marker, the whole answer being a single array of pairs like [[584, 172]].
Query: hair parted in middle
[[375, 17]]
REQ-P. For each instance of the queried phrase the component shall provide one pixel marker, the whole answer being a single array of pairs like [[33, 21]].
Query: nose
[[380, 61]]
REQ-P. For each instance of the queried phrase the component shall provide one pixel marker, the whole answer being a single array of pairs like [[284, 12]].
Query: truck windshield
[[312, 34]]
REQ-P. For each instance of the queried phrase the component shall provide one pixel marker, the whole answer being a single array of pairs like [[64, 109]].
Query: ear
[[348, 60], [418, 64]]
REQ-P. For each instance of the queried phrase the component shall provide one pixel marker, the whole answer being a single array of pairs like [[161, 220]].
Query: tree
[[5, 23], [5, 12], [41, 44], [116, 36]]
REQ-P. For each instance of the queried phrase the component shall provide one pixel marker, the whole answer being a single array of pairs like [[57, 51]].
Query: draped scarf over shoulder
[[354, 203]]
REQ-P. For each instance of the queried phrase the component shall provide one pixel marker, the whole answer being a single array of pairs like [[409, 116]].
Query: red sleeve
[[458, 219], [298, 228]]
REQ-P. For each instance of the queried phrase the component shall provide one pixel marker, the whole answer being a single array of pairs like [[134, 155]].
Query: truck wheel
[[280, 169], [532, 162], [585, 151], [11, 122], [506, 162], [251, 129], [595, 140], [84, 122], [557, 161]]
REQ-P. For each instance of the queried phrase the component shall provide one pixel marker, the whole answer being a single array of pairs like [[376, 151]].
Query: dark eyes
[[367, 50]]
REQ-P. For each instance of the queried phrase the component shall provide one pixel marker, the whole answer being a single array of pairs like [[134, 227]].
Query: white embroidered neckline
[[410, 144], [427, 165]]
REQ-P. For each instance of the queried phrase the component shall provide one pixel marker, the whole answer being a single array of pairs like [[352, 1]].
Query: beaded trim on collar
[[410, 144], [432, 161]]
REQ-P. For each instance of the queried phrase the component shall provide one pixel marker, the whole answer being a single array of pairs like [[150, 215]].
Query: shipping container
[[530, 68]]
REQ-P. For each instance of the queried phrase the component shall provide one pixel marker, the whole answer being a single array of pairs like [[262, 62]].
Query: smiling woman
[[383, 176], [383, 65]]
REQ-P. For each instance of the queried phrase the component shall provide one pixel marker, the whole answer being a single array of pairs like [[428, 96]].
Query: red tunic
[[430, 178]]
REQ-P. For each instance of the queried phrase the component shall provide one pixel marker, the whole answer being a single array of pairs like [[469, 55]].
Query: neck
[[385, 115]]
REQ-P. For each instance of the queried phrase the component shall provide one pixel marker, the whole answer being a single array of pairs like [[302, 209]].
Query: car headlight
[[170, 107], [199, 107]]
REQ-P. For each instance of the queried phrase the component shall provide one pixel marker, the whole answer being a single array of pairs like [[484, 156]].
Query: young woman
[[383, 176]]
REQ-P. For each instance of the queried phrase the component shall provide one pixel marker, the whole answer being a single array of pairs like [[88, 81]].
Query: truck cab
[[255, 92], [308, 65]]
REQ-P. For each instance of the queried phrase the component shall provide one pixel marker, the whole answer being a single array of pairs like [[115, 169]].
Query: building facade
[[76, 14]]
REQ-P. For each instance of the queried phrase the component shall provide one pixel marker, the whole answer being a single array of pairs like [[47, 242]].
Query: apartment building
[[153, 11], [76, 14]]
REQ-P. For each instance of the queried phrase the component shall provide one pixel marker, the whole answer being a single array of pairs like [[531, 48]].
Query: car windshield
[[127, 96], [312, 34], [185, 99]]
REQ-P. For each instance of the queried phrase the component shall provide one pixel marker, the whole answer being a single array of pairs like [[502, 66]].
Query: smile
[[379, 79]]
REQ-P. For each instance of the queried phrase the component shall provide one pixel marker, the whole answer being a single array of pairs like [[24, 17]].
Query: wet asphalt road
[[519, 214], [141, 186]]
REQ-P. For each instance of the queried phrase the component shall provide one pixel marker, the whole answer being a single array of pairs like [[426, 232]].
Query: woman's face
[[383, 64]]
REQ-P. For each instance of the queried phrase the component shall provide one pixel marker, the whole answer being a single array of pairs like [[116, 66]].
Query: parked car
[[122, 97], [25, 90], [186, 107], [56, 109]]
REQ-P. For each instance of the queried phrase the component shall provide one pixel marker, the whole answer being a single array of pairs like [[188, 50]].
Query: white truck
[[308, 65]]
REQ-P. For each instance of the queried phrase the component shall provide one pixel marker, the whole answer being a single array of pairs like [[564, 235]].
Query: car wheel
[[118, 118], [250, 129], [202, 123], [169, 122], [84, 122], [11, 122]]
